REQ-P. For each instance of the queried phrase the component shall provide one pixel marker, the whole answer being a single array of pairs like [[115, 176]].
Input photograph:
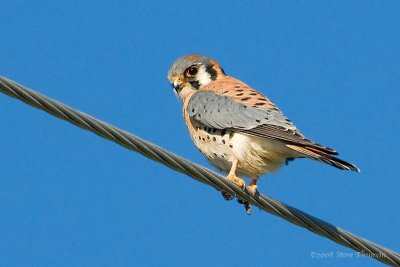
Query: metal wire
[[198, 172]]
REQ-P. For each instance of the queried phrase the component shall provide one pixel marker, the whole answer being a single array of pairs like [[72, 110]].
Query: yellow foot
[[252, 189], [239, 182]]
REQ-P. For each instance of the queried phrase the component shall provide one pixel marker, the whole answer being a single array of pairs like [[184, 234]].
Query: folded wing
[[223, 112]]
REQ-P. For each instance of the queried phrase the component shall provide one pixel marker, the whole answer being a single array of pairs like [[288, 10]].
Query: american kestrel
[[239, 130]]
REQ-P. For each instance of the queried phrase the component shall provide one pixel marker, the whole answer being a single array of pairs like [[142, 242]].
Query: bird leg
[[238, 181], [232, 176]]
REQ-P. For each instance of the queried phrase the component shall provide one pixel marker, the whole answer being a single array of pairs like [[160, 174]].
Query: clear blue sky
[[70, 198]]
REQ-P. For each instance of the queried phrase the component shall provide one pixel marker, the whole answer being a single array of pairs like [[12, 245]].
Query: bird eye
[[191, 71]]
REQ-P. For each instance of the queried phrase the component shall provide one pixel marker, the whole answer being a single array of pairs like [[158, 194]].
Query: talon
[[227, 196], [247, 207]]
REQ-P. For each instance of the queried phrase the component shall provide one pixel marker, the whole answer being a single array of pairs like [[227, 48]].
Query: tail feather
[[322, 156]]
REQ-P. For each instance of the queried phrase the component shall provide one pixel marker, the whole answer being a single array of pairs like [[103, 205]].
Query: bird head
[[193, 72]]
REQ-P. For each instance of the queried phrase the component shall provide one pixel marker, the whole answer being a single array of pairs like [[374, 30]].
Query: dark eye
[[192, 71]]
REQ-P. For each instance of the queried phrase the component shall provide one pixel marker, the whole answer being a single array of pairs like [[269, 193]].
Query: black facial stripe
[[213, 73], [195, 84]]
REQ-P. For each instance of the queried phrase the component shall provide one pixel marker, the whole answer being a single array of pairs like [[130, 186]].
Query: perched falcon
[[238, 129]]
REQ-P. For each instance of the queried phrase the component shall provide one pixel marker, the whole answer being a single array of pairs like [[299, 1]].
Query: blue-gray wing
[[221, 112]]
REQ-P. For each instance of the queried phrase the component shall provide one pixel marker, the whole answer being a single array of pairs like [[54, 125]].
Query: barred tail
[[316, 154]]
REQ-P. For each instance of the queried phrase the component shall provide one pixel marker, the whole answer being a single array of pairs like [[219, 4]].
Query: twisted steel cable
[[198, 172]]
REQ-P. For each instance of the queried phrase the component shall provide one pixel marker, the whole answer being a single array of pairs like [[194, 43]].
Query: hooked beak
[[177, 86]]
